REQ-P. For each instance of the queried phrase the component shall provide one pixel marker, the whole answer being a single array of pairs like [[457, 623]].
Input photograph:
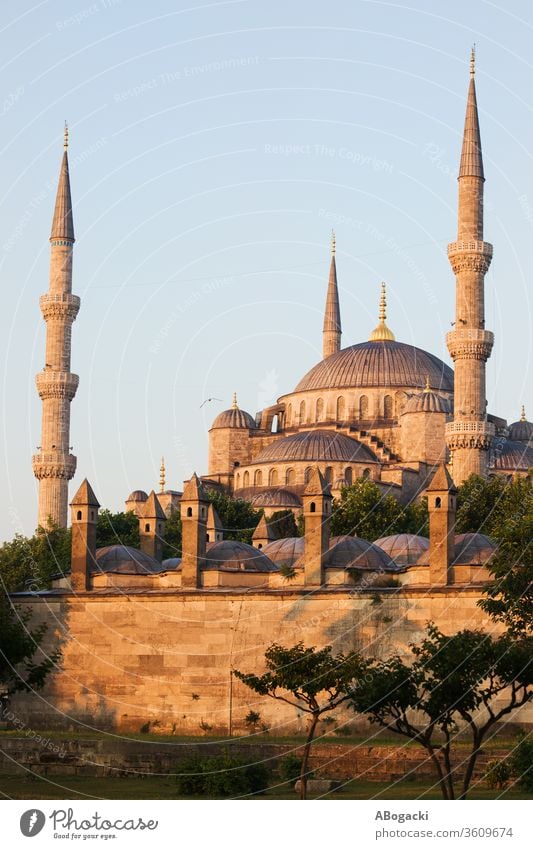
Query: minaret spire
[[469, 435], [331, 334], [382, 333], [54, 466], [162, 475]]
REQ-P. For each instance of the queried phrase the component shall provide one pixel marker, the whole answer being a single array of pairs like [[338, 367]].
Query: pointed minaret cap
[[264, 530], [152, 508], [63, 223], [213, 519], [317, 483], [471, 156], [85, 496], [441, 481], [382, 333], [193, 490], [332, 312]]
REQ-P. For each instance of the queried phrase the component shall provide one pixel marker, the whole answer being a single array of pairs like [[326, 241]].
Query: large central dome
[[383, 363]]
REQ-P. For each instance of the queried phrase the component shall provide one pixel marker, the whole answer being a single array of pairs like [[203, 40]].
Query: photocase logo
[[32, 822]]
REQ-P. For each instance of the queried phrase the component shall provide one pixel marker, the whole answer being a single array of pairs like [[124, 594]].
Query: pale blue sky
[[213, 147]]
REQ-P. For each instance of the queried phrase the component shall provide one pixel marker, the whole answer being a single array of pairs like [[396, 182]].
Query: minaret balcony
[[469, 434], [54, 464], [472, 255], [56, 384], [470, 343], [62, 305]]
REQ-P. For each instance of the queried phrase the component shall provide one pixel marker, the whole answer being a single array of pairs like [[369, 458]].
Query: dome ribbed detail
[[234, 418], [138, 495], [509, 456], [275, 498], [384, 364], [231, 554], [521, 431], [428, 402], [404, 549], [125, 560], [316, 445]]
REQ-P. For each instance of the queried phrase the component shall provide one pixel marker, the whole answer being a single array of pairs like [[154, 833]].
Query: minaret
[[162, 473], [54, 466], [331, 334], [469, 435]]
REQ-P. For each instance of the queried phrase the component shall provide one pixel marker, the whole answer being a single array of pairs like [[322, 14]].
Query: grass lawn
[[164, 787]]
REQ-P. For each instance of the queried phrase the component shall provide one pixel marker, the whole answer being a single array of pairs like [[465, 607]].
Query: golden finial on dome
[[234, 405], [473, 61], [382, 333], [333, 245], [65, 136], [427, 387], [523, 414], [162, 475]]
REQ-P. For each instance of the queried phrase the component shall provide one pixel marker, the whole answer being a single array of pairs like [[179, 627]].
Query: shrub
[[498, 774], [289, 768], [522, 763], [220, 777]]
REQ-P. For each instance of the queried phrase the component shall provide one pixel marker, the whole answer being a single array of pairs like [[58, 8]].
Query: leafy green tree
[[365, 511], [451, 681], [310, 679], [19, 645], [117, 529], [172, 544], [34, 560], [283, 524], [238, 517], [478, 504]]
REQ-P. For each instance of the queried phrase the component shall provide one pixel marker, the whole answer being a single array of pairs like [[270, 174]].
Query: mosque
[[139, 634]]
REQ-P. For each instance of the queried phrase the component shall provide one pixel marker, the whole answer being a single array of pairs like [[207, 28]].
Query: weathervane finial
[[473, 61]]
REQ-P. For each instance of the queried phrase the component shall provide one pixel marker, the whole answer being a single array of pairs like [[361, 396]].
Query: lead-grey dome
[[428, 402], [231, 554], [473, 549], [509, 456], [316, 445], [404, 549], [138, 495], [383, 363], [275, 497], [234, 418], [125, 560], [347, 552], [285, 552], [521, 431]]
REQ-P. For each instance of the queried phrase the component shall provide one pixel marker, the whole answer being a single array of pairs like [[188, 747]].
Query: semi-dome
[[404, 549], [231, 554], [275, 497], [235, 417], [138, 495], [285, 552], [428, 402], [125, 560], [510, 456], [473, 549], [316, 445], [380, 363]]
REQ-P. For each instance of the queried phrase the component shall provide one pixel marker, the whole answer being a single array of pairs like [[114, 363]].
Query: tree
[[34, 560], [451, 680], [310, 679], [19, 644], [117, 529], [283, 524], [238, 517], [172, 543], [509, 597], [364, 510]]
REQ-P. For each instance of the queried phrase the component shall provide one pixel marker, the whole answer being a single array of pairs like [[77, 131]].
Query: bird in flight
[[207, 400]]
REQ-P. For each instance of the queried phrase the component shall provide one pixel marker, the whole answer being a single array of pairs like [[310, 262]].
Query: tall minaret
[[469, 435], [54, 466], [331, 334]]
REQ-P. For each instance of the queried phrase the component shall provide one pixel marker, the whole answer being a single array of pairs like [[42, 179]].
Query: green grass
[[164, 787]]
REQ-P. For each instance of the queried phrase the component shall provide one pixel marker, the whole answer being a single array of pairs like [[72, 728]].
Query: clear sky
[[213, 146]]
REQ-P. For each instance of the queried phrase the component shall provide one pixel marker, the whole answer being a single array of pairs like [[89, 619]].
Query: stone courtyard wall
[[165, 657]]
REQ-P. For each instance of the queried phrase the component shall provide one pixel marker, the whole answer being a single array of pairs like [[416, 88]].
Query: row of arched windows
[[305, 411], [275, 477]]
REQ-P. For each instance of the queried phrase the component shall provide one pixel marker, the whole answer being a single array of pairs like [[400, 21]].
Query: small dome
[[473, 549], [285, 552], [521, 431], [125, 560], [404, 549], [234, 418], [276, 497], [314, 446], [137, 495], [428, 402], [171, 563], [230, 554], [509, 456], [346, 552]]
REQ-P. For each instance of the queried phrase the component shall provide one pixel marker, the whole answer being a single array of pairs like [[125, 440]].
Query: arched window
[[437, 502], [275, 424], [366, 474], [319, 409], [329, 474], [258, 477], [363, 407], [78, 515], [238, 480], [289, 415], [207, 538], [189, 512], [307, 474], [388, 407], [273, 477], [246, 479], [312, 507], [302, 411], [348, 476], [341, 409], [290, 477]]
